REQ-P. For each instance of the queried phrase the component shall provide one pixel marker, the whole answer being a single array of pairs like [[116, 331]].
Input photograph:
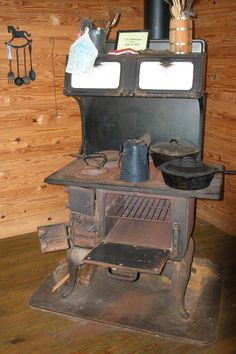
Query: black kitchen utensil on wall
[[19, 46]]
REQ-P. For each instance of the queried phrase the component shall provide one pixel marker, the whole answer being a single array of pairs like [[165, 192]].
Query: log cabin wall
[[216, 23], [40, 127]]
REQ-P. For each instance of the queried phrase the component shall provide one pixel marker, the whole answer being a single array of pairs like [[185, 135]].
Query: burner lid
[[93, 171]]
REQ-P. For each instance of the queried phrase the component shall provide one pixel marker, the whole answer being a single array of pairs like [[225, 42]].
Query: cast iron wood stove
[[124, 238]]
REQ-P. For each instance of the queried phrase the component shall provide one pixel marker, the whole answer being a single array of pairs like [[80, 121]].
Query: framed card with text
[[134, 39]]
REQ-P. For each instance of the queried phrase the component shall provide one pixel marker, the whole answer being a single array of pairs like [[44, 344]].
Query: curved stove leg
[[179, 273], [75, 258], [180, 277]]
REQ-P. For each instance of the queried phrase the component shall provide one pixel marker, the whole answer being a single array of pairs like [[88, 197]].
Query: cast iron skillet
[[189, 174]]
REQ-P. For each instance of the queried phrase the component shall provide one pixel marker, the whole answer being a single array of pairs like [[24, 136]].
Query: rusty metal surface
[[139, 220], [81, 200], [53, 237], [70, 175], [141, 233], [142, 259], [84, 234], [145, 305]]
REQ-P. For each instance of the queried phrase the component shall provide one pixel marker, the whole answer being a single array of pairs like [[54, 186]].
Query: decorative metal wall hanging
[[15, 77]]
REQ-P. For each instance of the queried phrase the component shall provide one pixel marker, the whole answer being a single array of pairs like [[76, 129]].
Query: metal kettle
[[134, 165]]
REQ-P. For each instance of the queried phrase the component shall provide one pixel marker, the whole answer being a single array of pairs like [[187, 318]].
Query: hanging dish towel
[[82, 55]]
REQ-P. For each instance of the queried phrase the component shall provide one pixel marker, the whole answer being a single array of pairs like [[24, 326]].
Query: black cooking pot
[[175, 148], [189, 174]]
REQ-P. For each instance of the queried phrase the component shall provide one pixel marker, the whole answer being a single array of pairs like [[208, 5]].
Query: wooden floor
[[24, 330]]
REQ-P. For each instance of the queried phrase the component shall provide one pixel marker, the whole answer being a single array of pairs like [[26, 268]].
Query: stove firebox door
[[82, 200]]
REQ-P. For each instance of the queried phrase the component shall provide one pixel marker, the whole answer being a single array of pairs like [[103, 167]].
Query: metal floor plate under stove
[[146, 305]]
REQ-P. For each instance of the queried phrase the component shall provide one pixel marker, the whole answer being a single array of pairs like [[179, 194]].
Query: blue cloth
[[82, 55]]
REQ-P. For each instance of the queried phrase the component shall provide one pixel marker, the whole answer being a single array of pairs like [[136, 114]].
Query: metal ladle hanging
[[18, 80], [26, 78]]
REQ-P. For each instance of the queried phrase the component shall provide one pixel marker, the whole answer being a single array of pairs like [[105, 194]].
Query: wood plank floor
[[24, 330]]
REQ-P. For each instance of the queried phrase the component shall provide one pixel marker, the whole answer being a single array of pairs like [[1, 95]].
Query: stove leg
[[179, 273], [75, 257], [180, 278]]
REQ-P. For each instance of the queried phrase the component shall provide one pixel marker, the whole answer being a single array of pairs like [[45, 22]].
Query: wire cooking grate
[[141, 208]]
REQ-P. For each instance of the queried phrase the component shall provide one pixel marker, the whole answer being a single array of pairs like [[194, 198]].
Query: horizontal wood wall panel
[[32, 221], [40, 127], [43, 199], [36, 120], [33, 167]]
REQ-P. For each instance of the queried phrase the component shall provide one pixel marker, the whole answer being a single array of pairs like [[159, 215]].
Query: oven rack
[[141, 208]]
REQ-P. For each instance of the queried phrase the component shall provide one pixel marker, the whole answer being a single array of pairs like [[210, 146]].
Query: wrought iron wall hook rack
[[19, 46], [28, 76], [18, 34]]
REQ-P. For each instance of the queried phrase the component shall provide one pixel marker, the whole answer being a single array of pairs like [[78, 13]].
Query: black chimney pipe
[[157, 18]]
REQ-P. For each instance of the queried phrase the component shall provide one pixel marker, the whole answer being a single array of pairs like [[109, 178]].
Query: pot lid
[[174, 147], [187, 167]]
